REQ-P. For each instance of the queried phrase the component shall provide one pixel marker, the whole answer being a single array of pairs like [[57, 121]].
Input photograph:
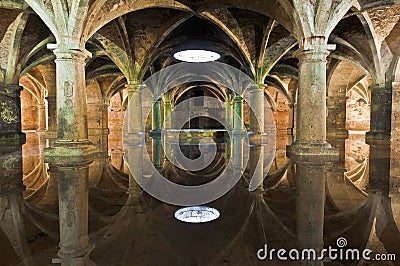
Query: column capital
[[314, 50], [134, 87], [256, 87], [238, 98], [69, 51]]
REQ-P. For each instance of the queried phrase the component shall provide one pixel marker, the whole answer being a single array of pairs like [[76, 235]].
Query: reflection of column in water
[[11, 187], [73, 213], [256, 158], [310, 183], [135, 161]]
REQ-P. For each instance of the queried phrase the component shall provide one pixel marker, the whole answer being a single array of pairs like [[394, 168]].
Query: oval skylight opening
[[197, 214], [197, 56]]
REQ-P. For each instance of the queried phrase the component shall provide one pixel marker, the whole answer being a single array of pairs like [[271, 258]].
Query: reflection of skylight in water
[[197, 56], [197, 214]]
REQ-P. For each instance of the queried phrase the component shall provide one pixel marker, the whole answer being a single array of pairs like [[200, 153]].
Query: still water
[[348, 203]]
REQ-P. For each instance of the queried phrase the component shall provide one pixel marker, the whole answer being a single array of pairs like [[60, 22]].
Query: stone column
[[71, 154], [291, 125], [228, 115], [135, 123], [71, 94], [238, 116], [50, 80], [168, 105], [257, 109], [156, 118], [381, 112], [10, 114], [98, 133], [311, 101], [135, 137], [42, 117], [336, 120]]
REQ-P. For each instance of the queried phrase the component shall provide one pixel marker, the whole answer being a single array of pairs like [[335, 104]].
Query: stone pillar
[[71, 94], [381, 112], [168, 105], [238, 116], [42, 117], [228, 115], [135, 123], [50, 80], [257, 109], [10, 114], [98, 130], [71, 154], [156, 118], [291, 125], [310, 201], [311, 101]]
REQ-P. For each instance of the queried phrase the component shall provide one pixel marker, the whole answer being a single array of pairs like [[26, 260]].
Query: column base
[[70, 152], [303, 148]]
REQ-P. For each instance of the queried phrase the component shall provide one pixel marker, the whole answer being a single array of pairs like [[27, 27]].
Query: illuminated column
[[167, 124], [49, 75], [98, 126], [257, 109], [168, 105], [290, 129], [228, 114], [42, 117], [71, 94], [135, 123], [311, 101], [135, 136]]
